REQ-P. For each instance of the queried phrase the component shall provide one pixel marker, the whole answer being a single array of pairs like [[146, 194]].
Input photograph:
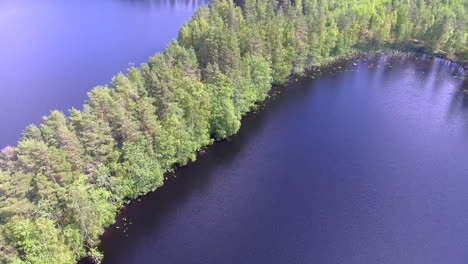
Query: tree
[[94, 133], [40, 241], [142, 166], [65, 181], [65, 139], [224, 121]]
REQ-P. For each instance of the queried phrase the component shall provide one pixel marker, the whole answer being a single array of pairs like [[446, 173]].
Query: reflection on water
[[159, 3], [53, 52], [363, 162]]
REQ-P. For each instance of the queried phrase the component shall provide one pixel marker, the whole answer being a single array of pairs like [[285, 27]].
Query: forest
[[67, 178]]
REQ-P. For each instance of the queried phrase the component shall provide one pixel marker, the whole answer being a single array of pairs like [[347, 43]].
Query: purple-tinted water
[[52, 52], [364, 164]]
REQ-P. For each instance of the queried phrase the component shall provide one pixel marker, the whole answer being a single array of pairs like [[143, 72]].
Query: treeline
[[66, 179]]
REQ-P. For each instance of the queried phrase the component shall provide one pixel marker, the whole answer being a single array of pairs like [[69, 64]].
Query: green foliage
[[40, 241], [142, 166], [67, 178], [224, 120]]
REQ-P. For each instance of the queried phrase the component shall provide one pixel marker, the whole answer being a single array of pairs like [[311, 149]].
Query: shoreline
[[171, 175]]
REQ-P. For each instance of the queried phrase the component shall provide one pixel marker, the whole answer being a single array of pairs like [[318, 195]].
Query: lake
[[365, 163], [53, 51]]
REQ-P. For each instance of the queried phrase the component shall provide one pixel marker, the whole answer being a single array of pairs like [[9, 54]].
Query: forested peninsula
[[65, 181]]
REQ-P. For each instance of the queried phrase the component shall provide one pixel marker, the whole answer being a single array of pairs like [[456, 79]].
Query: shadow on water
[[145, 219], [150, 211]]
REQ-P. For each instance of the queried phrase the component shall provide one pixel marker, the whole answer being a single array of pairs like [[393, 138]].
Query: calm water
[[54, 51], [361, 166]]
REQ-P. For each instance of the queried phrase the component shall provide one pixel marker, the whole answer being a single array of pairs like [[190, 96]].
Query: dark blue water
[[52, 52], [364, 164]]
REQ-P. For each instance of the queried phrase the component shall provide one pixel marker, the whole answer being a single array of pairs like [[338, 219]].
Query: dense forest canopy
[[67, 178]]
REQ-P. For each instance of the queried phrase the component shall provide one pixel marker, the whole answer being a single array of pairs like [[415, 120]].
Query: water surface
[[54, 51], [364, 164]]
